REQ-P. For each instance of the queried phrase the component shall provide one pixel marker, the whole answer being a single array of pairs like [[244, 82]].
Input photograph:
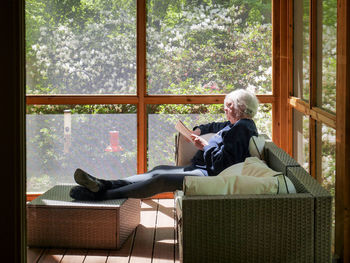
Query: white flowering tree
[[91, 51], [209, 49], [89, 47]]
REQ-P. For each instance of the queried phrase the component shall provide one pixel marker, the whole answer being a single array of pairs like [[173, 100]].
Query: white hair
[[244, 103]]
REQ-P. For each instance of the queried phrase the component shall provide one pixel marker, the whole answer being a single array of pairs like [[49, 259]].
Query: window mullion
[[141, 87], [313, 86]]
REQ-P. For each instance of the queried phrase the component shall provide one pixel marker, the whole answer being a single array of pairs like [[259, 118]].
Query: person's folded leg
[[157, 184], [159, 180]]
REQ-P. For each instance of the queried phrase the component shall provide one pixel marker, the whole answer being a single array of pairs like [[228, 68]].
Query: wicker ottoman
[[56, 220]]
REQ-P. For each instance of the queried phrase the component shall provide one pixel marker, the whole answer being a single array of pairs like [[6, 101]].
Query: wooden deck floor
[[153, 241]]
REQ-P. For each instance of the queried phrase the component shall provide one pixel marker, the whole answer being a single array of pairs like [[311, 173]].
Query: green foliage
[[89, 47], [209, 48]]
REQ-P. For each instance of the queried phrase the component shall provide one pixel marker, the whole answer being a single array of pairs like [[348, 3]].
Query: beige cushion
[[256, 178], [228, 185], [255, 167], [235, 169]]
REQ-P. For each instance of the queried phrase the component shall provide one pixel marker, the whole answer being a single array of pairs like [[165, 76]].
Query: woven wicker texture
[[259, 228], [248, 229], [323, 208], [55, 220], [277, 159], [129, 218], [59, 196]]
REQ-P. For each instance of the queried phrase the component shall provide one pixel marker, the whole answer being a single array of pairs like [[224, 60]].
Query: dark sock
[[83, 194]]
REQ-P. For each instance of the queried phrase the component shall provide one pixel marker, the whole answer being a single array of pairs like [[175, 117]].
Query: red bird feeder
[[113, 142]]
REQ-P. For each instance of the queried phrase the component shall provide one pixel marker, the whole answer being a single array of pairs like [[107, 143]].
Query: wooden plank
[[74, 256], [141, 87], [34, 254], [313, 85], [122, 255], [316, 113], [312, 147], [197, 99], [342, 197], [276, 113], [164, 246], [283, 77], [290, 72], [124, 99], [299, 105], [169, 195], [323, 116], [53, 255], [80, 99], [141, 138], [313, 54], [96, 256], [143, 244]]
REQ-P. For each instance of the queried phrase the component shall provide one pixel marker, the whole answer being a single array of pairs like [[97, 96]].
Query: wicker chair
[[257, 228]]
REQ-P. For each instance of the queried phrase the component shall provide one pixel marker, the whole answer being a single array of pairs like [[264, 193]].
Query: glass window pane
[[208, 47], [162, 120], [302, 49], [263, 119], [301, 139], [100, 139], [326, 162], [327, 56], [80, 47]]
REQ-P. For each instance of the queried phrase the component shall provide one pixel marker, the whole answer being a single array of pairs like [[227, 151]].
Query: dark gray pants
[[160, 179]]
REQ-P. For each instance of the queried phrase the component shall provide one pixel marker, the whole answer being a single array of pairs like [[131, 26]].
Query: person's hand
[[199, 142], [197, 131]]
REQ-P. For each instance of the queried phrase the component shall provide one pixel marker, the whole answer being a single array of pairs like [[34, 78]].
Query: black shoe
[[84, 179], [83, 194]]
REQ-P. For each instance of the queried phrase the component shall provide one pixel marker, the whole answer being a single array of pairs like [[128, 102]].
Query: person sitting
[[230, 145]]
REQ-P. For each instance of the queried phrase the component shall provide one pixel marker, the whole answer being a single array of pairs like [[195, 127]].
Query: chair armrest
[[323, 211]]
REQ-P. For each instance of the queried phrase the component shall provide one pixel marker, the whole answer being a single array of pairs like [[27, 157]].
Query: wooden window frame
[[14, 77], [142, 99], [340, 121]]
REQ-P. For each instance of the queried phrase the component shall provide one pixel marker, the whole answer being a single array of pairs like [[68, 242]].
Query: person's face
[[229, 111]]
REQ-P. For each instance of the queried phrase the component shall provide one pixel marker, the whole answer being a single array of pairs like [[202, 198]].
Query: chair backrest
[[184, 150]]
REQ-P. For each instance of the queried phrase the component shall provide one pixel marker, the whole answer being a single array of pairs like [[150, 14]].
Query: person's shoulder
[[244, 126], [244, 123]]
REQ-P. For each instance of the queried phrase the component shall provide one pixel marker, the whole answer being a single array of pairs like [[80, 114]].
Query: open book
[[183, 130]]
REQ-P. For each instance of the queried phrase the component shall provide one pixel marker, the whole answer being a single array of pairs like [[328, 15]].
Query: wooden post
[[290, 73], [313, 85], [141, 88], [283, 78], [13, 131], [282, 115], [342, 194], [276, 111]]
